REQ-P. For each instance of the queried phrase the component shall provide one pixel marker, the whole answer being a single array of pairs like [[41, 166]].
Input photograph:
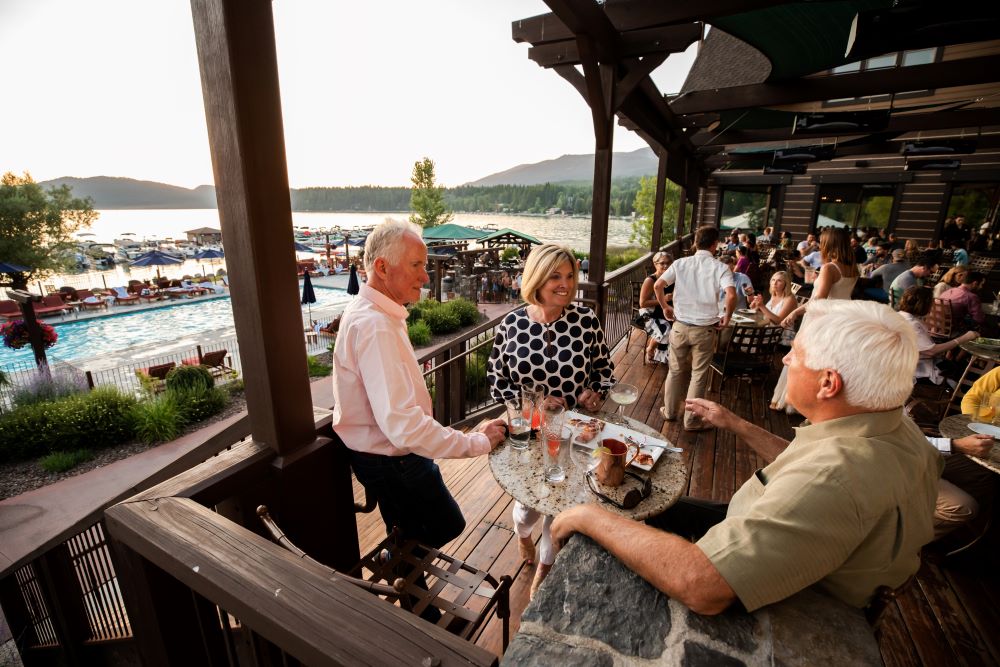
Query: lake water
[[172, 223]]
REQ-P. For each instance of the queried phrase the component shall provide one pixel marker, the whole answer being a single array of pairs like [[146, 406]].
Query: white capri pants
[[525, 519]]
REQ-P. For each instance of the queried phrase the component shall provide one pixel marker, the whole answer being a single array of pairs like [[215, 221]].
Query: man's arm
[[765, 443], [673, 565]]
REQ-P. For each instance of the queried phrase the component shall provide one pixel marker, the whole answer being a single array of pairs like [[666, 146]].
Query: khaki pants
[[963, 486], [691, 350]]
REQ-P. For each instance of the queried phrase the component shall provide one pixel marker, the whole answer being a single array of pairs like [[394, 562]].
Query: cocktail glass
[[623, 394]]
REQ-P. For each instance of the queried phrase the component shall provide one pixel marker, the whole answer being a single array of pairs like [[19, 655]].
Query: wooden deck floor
[[950, 616]]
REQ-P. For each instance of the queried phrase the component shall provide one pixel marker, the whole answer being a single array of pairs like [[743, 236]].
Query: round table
[[957, 426], [519, 473], [986, 352]]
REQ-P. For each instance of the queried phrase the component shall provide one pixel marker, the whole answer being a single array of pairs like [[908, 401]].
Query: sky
[[112, 88]]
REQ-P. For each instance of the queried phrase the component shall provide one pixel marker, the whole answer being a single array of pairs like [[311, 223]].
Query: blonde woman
[[779, 306], [554, 344], [954, 277], [657, 325]]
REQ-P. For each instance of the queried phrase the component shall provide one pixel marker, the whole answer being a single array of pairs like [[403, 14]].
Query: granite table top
[[519, 473], [957, 426], [984, 351], [593, 611]]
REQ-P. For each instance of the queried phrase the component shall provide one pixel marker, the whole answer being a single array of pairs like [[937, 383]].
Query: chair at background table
[[636, 287], [939, 320], [929, 404], [748, 356]]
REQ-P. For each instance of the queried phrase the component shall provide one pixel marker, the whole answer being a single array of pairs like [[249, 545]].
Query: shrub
[[419, 310], [46, 385], [158, 419], [442, 321], [317, 369], [619, 257], [419, 333], [475, 376], [509, 253], [100, 418], [190, 377], [198, 404], [63, 461], [465, 310], [234, 387]]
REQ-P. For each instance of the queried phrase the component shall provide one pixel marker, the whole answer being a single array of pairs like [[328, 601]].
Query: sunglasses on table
[[632, 497]]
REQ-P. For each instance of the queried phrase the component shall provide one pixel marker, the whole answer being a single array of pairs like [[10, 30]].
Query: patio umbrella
[[302, 247], [156, 258], [211, 253], [353, 286], [308, 294]]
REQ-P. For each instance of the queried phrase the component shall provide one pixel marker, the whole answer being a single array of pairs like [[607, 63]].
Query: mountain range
[[109, 192]]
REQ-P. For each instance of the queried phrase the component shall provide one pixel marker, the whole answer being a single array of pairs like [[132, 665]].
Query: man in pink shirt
[[383, 408], [965, 302]]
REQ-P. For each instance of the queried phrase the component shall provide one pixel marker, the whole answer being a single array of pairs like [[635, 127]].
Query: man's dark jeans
[[411, 495]]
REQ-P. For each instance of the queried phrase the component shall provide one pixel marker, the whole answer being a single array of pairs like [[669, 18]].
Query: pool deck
[[132, 355]]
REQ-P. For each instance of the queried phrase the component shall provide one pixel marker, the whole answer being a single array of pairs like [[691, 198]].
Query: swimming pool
[[85, 339]]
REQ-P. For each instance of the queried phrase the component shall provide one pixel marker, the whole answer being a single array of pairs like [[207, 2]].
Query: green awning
[[494, 236], [452, 232], [799, 38]]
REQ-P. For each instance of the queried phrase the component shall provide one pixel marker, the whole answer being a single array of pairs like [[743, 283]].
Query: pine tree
[[427, 198]]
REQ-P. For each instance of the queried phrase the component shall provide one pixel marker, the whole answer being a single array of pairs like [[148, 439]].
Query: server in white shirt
[[697, 282]]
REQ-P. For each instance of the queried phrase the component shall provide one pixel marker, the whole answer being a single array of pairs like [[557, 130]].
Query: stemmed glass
[[623, 394]]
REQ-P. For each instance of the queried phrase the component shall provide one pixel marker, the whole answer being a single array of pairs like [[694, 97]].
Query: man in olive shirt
[[846, 506]]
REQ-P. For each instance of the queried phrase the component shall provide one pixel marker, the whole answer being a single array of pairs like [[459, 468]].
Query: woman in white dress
[[779, 306], [836, 280]]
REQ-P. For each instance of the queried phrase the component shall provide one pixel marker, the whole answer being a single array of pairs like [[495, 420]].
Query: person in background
[[913, 307], [742, 259], [912, 251], [845, 507], [657, 326], [966, 309], [742, 282], [382, 409], [895, 243], [891, 270], [953, 277], [807, 246], [767, 236], [558, 345], [779, 306], [695, 310], [860, 254], [786, 241], [924, 267], [958, 254]]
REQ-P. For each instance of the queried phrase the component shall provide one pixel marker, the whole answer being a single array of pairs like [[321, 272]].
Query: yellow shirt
[[847, 507], [983, 388]]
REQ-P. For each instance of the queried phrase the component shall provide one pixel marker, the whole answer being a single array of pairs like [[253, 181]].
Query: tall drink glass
[[518, 424], [532, 397], [555, 452]]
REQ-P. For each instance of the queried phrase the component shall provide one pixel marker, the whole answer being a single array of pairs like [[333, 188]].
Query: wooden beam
[[949, 73], [681, 213], [634, 15], [898, 123], [239, 73], [664, 41], [661, 187], [291, 602]]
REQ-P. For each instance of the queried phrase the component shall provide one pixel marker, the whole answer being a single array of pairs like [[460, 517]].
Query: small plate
[[985, 429]]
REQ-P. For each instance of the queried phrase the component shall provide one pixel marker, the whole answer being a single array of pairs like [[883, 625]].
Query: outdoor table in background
[[957, 426], [592, 610], [519, 473], [984, 351]]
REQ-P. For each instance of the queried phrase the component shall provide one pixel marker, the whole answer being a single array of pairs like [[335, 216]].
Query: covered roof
[[204, 230], [452, 232], [765, 74], [510, 236]]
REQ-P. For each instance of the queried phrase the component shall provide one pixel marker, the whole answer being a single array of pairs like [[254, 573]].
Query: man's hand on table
[[495, 430], [973, 445], [711, 412]]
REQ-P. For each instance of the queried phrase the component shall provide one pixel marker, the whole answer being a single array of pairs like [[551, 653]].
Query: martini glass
[[623, 394]]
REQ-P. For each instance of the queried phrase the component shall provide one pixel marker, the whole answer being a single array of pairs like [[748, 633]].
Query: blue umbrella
[[12, 268], [211, 253], [302, 247], [156, 258], [308, 293], [353, 286]]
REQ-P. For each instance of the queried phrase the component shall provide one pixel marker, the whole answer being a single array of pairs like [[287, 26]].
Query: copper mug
[[610, 469]]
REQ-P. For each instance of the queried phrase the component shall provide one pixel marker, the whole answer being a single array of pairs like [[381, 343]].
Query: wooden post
[[661, 186], [16, 613], [681, 212], [26, 301], [64, 600], [239, 73]]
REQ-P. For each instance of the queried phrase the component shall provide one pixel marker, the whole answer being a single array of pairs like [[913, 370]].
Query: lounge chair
[[214, 361], [52, 304], [158, 374], [122, 296], [10, 309], [212, 287]]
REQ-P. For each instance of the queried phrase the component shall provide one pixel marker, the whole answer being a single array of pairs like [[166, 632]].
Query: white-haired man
[[846, 506], [383, 408]]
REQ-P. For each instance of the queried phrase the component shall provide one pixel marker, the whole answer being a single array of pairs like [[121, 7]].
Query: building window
[[857, 207], [747, 209], [897, 59]]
